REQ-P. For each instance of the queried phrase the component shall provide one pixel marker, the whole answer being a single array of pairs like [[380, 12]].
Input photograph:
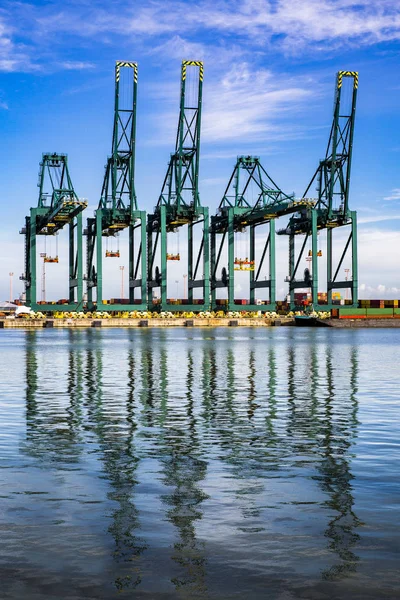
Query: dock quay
[[360, 323], [175, 322], [47, 323]]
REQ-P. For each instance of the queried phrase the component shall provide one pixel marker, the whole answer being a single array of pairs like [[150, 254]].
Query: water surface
[[184, 463]]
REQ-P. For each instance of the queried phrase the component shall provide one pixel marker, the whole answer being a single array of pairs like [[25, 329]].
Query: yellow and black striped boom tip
[[123, 63], [342, 74], [192, 63]]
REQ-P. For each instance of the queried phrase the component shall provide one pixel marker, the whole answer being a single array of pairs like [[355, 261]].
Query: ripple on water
[[199, 464]]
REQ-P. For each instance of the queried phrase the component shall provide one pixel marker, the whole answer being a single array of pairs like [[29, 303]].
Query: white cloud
[[378, 261], [288, 26], [244, 105], [248, 102], [380, 291], [13, 56], [395, 195], [213, 54], [73, 65], [180, 48], [378, 218]]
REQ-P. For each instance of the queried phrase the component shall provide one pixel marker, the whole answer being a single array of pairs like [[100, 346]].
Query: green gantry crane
[[58, 206], [179, 204], [237, 212], [118, 209], [331, 208]]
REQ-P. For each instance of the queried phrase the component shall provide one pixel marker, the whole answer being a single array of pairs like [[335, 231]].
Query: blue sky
[[268, 90]]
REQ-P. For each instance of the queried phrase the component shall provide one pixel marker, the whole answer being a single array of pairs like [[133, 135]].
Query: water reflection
[[271, 399], [255, 414], [182, 474], [335, 477], [75, 391], [114, 430], [31, 368], [324, 427], [53, 416]]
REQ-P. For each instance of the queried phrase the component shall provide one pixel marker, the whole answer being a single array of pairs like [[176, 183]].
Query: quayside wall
[[107, 323]]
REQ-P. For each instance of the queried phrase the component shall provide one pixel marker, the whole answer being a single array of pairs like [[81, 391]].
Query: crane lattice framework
[[118, 209], [236, 213], [331, 208], [179, 203], [58, 206]]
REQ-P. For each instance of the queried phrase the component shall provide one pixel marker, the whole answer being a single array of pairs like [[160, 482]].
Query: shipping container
[[380, 312], [352, 312], [391, 303], [377, 304]]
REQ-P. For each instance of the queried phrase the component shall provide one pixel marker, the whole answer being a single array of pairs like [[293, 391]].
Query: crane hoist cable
[[110, 252], [177, 254], [50, 258]]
